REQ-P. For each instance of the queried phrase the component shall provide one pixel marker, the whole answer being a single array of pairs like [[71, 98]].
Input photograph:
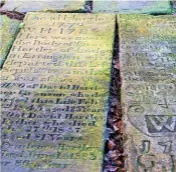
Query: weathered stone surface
[[54, 93], [8, 30], [148, 72], [43, 5], [143, 6]]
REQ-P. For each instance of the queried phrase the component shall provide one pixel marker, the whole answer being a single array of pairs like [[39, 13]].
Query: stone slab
[[8, 30], [44, 5], [148, 71], [55, 87], [141, 6]]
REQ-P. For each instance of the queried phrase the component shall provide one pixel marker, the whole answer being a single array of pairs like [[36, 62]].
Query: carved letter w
[[161, 123]]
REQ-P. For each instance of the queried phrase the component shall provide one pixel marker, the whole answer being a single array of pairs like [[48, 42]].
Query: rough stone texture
[[148, 72], [143, 6], [55, 87], [8, 30], [43, 5]]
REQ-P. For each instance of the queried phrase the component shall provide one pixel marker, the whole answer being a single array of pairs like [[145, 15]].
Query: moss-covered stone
[[8, 30], [59, 74]]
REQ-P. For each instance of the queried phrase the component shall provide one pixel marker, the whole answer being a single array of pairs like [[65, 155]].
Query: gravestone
[[55, 87], [142, 6], [148, 72], [24, 6], [8, 30]]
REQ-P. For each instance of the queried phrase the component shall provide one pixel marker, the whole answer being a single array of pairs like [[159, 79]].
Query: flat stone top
[[43, 5], [148, 72], [8, 29], [55, 87], [143, 6]]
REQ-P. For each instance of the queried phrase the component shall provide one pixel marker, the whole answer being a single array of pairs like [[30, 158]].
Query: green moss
[[8, 31]]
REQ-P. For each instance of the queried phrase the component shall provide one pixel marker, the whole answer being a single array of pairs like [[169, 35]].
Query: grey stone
[[148, 63], [43, 5], [141, 6]]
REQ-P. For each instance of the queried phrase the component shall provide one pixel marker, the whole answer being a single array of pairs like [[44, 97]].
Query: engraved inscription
[[161, 123], [54, 93], [147, 60]]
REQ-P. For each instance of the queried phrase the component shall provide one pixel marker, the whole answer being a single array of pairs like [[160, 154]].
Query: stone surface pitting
[[55, 87], [8, 30], [148, 72], [141, 6], [43, 5]]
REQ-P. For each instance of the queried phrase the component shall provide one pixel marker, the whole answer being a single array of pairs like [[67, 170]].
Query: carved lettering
[[161, 123], [54, 92]]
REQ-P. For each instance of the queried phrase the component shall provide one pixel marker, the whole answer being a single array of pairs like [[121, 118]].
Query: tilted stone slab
[[141, 6], [148, 72], [55, 87], [43, 5], [8, 30]]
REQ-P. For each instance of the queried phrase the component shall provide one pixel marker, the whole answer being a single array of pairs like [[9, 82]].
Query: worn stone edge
[[82, 9], [169, 10]]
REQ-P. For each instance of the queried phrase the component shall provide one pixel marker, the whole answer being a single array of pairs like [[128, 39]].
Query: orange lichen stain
[[142, 30]]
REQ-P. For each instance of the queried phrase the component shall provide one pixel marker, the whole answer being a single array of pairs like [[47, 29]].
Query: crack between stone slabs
[[89, 6], [113, 152], [13, 14], [2, 3]]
